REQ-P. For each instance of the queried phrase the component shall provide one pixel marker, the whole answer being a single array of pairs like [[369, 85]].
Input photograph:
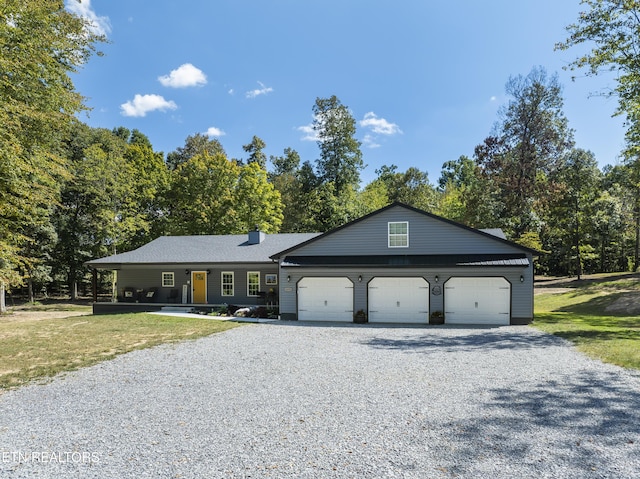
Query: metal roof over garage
[[409, 261]]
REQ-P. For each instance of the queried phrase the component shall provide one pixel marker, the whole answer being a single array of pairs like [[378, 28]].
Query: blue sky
[[423, 79]]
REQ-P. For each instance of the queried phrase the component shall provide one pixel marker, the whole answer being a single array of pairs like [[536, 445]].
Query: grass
[[39, 349], [598, 316]]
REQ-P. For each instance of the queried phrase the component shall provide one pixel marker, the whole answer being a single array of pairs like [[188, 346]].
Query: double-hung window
[[399, 234], [227, 283], [253, 283], [168, 280]]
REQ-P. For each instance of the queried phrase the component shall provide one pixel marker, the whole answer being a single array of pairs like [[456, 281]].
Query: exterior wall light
[[521, 279], [288, 278], [436, 278], [360, 279], [186, 271]]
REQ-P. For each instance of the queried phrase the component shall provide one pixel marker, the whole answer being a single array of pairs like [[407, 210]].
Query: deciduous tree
[[340, 159], [40, 45]]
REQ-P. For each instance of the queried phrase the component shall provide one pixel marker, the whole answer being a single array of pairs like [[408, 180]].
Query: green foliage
[[340, 159], [577, 180], [467, 196], [611, 28], [112, 201], [197, 144], [256, 155], [213, 195], [40, 45], [531, 138], [411, 187]]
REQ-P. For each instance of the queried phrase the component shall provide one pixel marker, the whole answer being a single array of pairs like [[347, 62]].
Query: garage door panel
[[477, 301], [398, 300], [325, 299]]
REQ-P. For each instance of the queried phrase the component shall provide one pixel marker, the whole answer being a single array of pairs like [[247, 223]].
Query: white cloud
[[97, 24], [370, 142], [231, 91], [143, 104], [263, 90], [379, 126], [184, 76], [309, 133], [493, 98], [215, 132]]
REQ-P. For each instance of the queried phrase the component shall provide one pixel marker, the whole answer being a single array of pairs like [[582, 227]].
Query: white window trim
[[249, 273], [233, 283], [395, 234], [271, 279], [173, 279]]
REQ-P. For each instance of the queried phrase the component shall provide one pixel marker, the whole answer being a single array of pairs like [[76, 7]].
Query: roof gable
[[427, 233]]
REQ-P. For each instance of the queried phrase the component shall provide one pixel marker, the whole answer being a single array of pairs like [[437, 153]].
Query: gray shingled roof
[[204, 249]]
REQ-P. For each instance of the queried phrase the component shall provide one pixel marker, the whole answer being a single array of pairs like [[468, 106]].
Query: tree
[[411, 187], [256, 155], [340, 159], [614, 27], [215, 195], [88, 217], [287, 179], [627, 177], [40, 45], [579, 178], [258, 203], [197, 144], [530, 139], [608, 228], [468, 196]]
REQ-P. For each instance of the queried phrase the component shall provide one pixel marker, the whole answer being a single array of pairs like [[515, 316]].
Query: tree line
[[70, 192]]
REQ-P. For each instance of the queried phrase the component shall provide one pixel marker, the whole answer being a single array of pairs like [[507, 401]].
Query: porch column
[[94, 284]]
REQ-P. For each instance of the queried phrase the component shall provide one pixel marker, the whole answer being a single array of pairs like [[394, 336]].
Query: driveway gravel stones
[[338, 401]]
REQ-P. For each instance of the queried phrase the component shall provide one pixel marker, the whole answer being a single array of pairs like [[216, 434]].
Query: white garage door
[[325, 299], [477, 301], [398, 300]]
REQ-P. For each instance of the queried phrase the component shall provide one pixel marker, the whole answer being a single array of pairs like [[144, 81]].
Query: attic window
[[399, 234]]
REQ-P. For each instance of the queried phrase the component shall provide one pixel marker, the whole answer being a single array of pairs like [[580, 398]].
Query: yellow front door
[[199, 287]]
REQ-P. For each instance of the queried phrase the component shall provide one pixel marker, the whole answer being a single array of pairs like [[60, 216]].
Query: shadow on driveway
[[452, 339], [531, 426]]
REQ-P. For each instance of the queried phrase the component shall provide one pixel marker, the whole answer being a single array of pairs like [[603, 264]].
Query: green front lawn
[[41, 348], [600, 317]]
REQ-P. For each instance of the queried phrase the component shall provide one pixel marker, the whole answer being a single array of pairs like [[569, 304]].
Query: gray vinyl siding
[[145, 277], [427, 235], [521, 292]]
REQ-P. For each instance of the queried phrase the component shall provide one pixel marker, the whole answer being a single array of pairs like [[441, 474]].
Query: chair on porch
[[128, 294], [150, 295]]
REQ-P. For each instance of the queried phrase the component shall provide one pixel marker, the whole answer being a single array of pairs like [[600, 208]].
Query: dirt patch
[[627, 303]]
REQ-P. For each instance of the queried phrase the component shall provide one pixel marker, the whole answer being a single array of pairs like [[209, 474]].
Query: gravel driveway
[[313, 401]]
